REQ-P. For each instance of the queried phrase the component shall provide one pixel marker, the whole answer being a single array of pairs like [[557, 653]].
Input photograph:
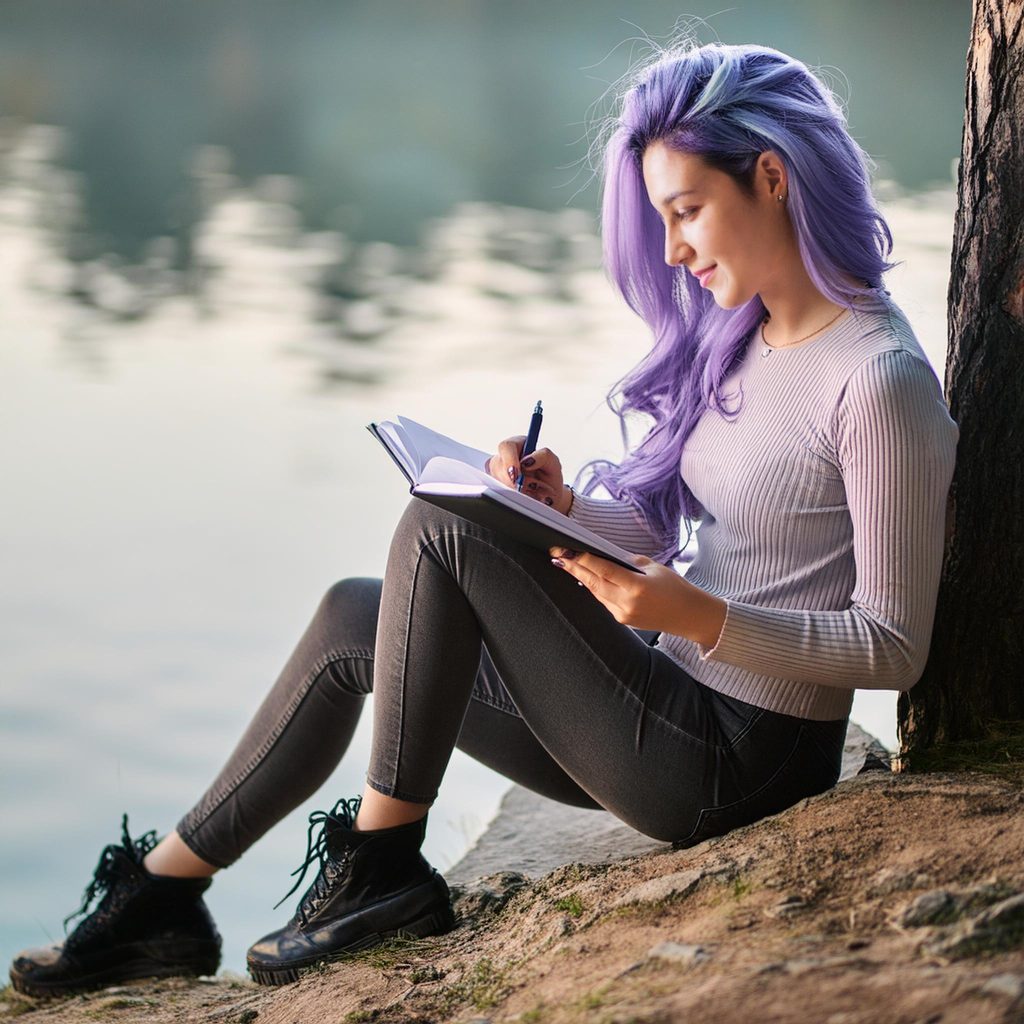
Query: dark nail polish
[[528, 461], [511, 473], [549, 501]]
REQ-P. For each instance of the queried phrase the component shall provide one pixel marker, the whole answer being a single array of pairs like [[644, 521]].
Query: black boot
[[144, 926], [371, 886]]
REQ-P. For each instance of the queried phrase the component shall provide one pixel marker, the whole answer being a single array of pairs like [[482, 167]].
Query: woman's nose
[[677, 251]]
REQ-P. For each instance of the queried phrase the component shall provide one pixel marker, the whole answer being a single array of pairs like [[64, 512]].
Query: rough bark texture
[[971, 688]]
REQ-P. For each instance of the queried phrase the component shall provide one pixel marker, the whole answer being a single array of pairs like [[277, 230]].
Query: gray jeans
[[475, 641]]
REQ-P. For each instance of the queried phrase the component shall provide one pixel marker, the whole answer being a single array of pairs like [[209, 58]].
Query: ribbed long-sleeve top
[[822, 527]]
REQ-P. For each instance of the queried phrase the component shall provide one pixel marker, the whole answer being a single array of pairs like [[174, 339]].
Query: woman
[[791, 412]]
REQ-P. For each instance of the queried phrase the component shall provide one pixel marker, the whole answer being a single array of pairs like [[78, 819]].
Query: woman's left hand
[[656, 598]]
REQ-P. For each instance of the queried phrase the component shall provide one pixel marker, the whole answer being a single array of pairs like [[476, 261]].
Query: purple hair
[[727, 104]]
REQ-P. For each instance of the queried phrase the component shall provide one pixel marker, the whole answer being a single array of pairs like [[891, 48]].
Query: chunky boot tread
[[433, 924], [131, 970]]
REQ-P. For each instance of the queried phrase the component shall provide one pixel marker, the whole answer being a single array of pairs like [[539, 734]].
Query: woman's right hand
[[542, 472]]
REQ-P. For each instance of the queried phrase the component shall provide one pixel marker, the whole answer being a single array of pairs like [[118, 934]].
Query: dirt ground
[[892, 899]]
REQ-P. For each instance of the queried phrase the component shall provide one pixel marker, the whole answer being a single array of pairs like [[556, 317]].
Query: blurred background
[[231, 234]]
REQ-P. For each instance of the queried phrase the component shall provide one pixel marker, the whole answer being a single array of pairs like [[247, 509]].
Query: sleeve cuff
[[588, 511], [708, 653]]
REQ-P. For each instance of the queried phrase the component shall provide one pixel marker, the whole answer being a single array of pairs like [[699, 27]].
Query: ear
[[771, 177]]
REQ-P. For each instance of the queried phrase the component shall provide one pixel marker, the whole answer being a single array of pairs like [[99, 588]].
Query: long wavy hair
[[726, 104]]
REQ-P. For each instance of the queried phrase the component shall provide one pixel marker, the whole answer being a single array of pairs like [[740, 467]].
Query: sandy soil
[[889, 900]]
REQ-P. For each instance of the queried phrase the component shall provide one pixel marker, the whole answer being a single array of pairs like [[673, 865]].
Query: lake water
[[193, 334]]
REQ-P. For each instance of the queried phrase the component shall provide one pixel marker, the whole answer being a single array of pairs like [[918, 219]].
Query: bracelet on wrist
[[572, 498]]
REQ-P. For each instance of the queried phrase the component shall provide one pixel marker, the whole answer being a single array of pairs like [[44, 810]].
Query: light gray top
[[823, 524]]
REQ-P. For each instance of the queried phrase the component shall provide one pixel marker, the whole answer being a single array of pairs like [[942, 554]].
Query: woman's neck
[[795, 307]]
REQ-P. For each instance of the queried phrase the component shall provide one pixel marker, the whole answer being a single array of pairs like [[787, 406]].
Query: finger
[[541, 458], [534, 488], [584, 576], [508, 454]]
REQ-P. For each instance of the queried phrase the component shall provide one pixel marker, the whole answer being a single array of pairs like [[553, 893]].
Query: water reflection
[[508, 272]]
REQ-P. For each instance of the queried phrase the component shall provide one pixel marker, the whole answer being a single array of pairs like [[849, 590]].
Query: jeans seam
[[398, 794], [434, 539], [747, 726], [302, 692], [705, 811], [508, 709], [405, 673]]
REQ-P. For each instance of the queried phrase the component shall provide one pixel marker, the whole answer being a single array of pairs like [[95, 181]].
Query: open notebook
[[454, 477]]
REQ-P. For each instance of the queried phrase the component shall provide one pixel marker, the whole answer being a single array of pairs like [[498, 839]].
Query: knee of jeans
[[420, 520], [350, 600]]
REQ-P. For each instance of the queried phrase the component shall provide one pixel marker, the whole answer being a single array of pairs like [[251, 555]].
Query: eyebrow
[[675, 195]]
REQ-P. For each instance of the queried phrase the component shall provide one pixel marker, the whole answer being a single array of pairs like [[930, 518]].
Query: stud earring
[[781, 198]]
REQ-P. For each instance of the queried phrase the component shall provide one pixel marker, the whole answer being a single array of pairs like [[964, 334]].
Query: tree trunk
[[971, 688]]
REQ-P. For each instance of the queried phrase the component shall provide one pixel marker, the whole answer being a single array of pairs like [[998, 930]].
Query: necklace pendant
[[765, 352]]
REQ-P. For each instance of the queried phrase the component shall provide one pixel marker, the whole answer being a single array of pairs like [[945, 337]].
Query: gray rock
[[486, 896], [679, 952], [937, 907], [995, 930], [890, 880], [787, 907], [1011, 985], [943, 907], [534, 835], [863, 753], [678, 884]]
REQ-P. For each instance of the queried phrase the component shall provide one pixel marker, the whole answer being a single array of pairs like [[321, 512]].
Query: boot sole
[[131, 970], [437, 923]]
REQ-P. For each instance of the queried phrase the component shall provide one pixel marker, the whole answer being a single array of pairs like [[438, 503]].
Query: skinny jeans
[[477, 641]]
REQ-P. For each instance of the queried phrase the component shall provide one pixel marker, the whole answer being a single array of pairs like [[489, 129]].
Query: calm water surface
[[196, 325]]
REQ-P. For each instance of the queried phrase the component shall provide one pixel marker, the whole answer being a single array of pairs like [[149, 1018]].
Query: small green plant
[[392, 953], [740, 887], [429, 973], [591, 1000], [15, 1005], [357, 1017], [534, 1016], [484, 986], [570, 904]]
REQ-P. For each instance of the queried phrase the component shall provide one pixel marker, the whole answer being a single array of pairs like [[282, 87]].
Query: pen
[[531, 441]]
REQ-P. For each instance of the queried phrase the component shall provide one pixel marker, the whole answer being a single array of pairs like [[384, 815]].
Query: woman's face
[[733, 244]]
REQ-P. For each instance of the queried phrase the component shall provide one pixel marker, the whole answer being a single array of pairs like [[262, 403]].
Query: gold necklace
[[768, 349]]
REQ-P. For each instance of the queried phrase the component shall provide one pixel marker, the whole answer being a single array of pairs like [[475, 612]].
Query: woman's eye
[[686, 214]]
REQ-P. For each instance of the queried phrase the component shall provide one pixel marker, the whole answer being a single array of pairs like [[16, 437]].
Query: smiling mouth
[[703, 275]]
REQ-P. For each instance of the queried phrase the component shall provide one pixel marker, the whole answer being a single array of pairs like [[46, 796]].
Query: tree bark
[[971, 688]]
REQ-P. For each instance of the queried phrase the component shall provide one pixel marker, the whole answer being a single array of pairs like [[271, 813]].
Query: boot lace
[[110, 867], [342, 815]]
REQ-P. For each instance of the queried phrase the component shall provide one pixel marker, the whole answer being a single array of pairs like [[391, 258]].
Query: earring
[[781, 198]]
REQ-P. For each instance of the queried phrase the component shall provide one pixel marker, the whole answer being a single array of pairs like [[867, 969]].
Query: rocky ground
[[892, 898]]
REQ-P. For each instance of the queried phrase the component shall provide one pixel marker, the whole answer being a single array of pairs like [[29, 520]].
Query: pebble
[[941, 906], [682, 883], [786, 907], [929, 908], [890, 880], [679, 952], [1011, 985], [488, 895]]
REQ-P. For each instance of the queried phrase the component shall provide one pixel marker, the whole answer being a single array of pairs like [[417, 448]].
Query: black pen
[[531, 441]]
